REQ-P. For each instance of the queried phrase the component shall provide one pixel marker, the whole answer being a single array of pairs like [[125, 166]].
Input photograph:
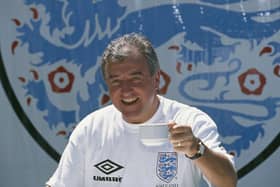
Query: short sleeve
[[70, 171], [206, 129]]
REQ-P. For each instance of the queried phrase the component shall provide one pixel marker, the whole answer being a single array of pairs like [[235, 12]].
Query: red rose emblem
[[252, 82], [61, 80]]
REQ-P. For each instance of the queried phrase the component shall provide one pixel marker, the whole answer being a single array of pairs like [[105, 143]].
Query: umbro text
[[107, 179]]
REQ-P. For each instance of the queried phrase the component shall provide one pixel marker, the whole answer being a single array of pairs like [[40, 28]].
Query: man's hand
[[183, 139], [215, 166]]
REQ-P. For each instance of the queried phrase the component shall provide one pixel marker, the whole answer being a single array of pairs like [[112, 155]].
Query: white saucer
[[154, 142]]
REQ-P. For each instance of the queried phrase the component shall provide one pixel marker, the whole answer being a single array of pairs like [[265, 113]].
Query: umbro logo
[[108, 166]]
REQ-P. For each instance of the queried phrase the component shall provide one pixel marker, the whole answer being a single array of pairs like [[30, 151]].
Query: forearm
[[217, 169], [215, 166]]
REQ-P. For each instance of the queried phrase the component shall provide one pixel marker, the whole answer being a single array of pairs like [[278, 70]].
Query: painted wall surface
[[220, 56]]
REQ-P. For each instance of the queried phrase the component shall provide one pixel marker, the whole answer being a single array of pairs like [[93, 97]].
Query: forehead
[[129, 66], [133, 62]]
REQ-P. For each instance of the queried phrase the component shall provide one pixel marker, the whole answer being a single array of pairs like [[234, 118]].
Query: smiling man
[[132, 86], [105, 148]]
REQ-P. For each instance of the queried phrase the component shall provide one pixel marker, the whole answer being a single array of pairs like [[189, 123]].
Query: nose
[[126, 87]]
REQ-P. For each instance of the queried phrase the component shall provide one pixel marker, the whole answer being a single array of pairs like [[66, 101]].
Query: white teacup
[[154, 134]]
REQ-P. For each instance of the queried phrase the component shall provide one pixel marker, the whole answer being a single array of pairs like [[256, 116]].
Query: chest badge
[[167, 165]]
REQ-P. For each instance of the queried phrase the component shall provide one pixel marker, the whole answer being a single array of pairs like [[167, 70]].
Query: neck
[[147, 116]]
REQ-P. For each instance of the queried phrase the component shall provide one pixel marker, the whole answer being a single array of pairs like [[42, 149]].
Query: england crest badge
[[167, 165]]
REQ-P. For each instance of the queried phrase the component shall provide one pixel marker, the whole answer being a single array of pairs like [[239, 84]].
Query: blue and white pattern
[[167, 165], [221, 56]]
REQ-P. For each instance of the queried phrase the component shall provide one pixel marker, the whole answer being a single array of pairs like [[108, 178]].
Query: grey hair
[[115, 53]]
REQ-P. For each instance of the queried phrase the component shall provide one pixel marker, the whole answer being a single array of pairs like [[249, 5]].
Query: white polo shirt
[[106, 151]]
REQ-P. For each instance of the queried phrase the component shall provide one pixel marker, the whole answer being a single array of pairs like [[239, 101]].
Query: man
[[105, 150]]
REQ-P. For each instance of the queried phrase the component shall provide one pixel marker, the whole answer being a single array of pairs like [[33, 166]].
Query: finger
[[180, 129], [183, 146], [178, 144], [180, 136], [179, 149], [171, 124], [177, 136]]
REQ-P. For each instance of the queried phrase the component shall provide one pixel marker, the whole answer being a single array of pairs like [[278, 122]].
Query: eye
[[115, 82], [137, 79]]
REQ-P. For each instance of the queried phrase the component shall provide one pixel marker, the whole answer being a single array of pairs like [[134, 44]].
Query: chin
[[132, 117]]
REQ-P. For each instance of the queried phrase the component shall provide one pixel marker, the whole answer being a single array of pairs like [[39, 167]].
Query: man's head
[[131, 71], [115, 51]]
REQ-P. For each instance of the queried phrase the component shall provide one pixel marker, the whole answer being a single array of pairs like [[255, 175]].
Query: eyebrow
[[132, 73], [137, 73]]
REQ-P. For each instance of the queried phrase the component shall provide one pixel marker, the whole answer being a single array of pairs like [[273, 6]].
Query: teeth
[[130, 100]]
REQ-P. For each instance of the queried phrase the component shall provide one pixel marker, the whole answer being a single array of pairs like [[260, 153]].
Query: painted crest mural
[[220, 56]]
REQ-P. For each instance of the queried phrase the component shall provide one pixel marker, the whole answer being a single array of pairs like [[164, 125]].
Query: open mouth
[[130, 101]]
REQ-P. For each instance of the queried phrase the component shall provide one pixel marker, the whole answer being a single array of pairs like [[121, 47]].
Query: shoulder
[[95, 121], [182, 111], [173, 104], [186, 114], [99, 115]]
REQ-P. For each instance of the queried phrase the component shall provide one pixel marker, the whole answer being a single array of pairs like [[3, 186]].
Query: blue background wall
[[223, 57]]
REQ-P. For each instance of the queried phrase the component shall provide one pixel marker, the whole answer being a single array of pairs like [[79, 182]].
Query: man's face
[[132, 88]]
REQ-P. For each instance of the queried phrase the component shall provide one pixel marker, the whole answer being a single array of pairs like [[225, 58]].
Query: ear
[[166, 82], [157, 79]]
